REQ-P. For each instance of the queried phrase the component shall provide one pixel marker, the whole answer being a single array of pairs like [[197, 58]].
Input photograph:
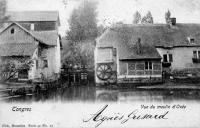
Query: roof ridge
[[43, 31], [155, 24]]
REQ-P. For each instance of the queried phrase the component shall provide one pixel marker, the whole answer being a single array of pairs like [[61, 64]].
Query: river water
[[97, 94], [69, 106]]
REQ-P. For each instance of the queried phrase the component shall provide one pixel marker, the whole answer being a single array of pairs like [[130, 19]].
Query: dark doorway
[[23, 74]]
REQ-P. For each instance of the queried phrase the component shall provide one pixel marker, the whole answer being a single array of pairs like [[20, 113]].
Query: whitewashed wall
[[182, 57]]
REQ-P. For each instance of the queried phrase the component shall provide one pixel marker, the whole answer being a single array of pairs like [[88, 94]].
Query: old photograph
[[76, 53]]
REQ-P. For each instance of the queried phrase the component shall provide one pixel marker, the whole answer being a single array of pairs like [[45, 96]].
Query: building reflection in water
[[95, 94]]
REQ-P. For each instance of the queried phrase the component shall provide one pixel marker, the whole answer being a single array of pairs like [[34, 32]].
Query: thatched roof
[[152, 35]]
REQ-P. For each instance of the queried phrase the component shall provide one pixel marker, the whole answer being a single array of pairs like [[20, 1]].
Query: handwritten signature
[[99, 116]]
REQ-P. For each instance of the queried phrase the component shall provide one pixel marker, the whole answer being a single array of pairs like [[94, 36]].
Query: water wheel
[[104, 71]]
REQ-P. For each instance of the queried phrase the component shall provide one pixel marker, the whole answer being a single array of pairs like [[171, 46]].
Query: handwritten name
[[99, 116]]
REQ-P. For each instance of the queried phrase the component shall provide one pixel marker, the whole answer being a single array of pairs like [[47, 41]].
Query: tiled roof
[[151, 35], [33, 16], [17, 49]]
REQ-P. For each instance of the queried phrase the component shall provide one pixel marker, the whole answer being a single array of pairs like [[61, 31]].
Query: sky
[[111, 11]]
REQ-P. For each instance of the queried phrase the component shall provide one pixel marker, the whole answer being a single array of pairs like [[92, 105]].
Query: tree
[[167, 16], [148, 18], [80, 53], [101, 29], [83, 22], [3, 16], [136, 18], [9, 68]]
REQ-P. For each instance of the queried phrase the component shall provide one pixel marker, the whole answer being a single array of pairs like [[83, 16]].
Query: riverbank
[[163, 86], [172, 86]]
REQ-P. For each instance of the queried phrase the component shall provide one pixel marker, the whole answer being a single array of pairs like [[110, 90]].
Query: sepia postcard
[[99, 64]]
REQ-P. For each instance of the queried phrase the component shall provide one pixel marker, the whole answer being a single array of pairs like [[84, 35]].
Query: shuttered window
[[196, 54], [170, 58], [165, 58]]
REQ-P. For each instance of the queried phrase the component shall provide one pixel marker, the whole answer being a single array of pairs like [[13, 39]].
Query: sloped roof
[[33, 16], [151, 35], [45, 37], [147, 52], [48, 37], [17, 49]]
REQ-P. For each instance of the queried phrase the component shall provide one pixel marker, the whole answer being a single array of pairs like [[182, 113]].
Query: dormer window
[[12, 31], [191, 40]]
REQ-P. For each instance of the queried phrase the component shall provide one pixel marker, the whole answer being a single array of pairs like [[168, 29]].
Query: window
[[157, 66], [167, 58], [83, 76], [148, 65], [191, 39], [164, 57], [170, 58], [12, 31], [39, 51], [131, 68], [45, 62], [140, 66], [32, 26], [196, 54], [114, 52], [36, 63]]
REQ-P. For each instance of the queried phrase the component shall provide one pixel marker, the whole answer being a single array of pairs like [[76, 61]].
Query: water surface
[[103, 94]]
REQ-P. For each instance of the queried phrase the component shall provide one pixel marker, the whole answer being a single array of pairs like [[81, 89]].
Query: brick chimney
[[139, 46]]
